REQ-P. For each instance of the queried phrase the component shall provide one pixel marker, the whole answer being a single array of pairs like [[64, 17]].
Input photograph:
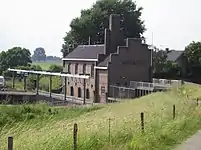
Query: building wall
[[130, 63], [101, 85], [76, 83]]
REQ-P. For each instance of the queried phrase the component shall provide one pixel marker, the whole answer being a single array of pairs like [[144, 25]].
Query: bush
[[55, 68]]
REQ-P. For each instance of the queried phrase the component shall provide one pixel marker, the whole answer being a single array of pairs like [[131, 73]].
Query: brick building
[[116, 62]]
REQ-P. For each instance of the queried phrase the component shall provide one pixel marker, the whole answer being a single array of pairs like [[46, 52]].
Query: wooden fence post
[[142, 121], [109, 131], [75, 137], [10, 143], [174, 111]]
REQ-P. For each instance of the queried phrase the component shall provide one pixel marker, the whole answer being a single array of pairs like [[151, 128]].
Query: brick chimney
[[113, 35]]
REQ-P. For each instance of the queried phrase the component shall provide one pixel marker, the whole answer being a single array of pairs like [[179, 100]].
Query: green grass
[[46, 65], [56, 83], [161, 131]]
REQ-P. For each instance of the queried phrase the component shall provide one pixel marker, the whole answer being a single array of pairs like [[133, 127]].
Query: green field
[[38, 129], [46, 65]]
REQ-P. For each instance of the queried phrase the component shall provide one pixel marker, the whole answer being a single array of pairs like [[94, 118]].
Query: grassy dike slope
[[161, 131]]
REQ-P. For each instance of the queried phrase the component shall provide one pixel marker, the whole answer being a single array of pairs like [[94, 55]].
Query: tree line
[[40, 55]]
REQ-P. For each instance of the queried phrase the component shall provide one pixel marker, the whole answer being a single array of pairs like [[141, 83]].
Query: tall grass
[[10, 114], [161, 131]]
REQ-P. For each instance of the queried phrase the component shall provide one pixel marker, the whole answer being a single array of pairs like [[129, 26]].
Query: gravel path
[[193, 143]]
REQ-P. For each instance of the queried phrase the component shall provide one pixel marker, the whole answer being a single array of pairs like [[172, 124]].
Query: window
[[102, 89], [79, 92], [84, 69], [69, 68], [76, 68], [87, 94], [92, 70], [71, 91]]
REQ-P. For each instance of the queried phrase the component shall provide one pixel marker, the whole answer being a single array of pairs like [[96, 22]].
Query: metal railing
[[166, 83], [157, 83], [141, 85]]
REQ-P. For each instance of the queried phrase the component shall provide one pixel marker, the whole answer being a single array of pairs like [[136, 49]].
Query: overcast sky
[[43, 23]]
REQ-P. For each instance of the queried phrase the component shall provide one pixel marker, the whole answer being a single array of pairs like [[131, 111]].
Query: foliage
[[29, 67], [193, 56], [193, 53], [39, 54], [94, 20], [44, 83], [14, 57], [162, 68], [41, 111], [53, 58], [161, 131], [55, 68], [159, 61]]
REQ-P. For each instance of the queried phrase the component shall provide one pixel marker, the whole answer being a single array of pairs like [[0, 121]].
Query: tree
[[39, 54], [162, 68], [53, 58], [94, 20], [14, 57], [3, 62], [159, 60], [193, 55]]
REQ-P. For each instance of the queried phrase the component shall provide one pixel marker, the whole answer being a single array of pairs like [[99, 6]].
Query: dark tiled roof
[[104, 62], [174, 55], [86, 52]]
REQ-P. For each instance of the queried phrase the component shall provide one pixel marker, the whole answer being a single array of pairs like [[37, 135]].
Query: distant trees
[[159, 60], [162, 67], [14, 57], [39, 54], [53, 58], [193, 56]]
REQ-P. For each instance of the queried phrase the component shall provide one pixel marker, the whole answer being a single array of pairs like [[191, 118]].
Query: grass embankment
[[161, 131]]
